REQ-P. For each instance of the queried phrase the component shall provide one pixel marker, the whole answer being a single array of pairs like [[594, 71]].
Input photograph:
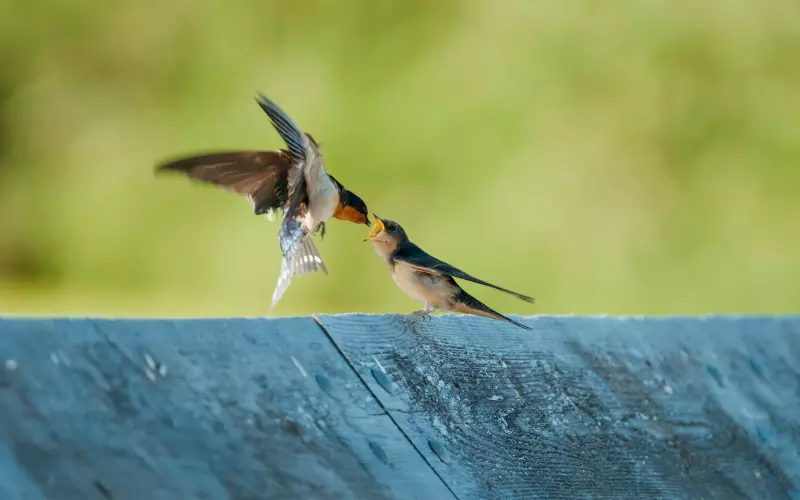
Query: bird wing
[[420, 260], [262, 176], [301, 148], [291, 134]]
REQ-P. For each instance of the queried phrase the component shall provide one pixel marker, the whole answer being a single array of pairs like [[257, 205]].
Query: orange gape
[[349, 214]]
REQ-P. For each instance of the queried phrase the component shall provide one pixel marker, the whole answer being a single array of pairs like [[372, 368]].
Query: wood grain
[[243, 408], [214, 409], [591, 407]]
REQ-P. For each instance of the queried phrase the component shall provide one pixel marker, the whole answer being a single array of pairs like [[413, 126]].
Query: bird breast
[[323, 195], [433, 289]]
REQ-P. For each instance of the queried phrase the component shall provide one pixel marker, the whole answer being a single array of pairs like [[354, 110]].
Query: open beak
[[376, 229]]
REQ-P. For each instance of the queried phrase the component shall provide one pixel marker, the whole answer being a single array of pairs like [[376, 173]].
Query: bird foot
[[321, 230], [422, 314]]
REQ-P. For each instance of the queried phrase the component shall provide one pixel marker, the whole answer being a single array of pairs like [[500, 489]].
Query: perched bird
[[292, 181], [428, 279]]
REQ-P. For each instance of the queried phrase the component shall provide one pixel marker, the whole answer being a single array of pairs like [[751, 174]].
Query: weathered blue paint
[[580, 407]]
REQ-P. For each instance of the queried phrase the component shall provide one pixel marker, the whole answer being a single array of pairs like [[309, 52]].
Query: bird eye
[[391, 227]]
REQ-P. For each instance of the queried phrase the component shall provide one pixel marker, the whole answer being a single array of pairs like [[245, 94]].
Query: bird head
[[387, 231], [352, 208]]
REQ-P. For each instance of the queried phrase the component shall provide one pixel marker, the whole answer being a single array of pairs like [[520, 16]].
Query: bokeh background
[[631, 157]]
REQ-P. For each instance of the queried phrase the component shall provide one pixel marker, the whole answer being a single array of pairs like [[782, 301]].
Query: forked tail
[[305, 259], [466, 303]]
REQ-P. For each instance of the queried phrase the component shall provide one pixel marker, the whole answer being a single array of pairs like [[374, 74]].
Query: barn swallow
[[293, 181], [428, 279]]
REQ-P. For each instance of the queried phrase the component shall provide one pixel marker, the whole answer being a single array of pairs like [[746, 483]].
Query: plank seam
[[383, 407]]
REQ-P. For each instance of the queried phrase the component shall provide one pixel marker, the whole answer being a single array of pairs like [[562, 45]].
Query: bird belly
[[431, 289], [323, 197]]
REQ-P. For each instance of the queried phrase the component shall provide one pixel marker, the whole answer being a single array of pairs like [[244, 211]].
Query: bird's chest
[[323, 198], [431, 289]]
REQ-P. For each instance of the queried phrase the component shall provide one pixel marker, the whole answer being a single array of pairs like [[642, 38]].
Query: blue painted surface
[[215, 409], [285, 408], [591, 407]]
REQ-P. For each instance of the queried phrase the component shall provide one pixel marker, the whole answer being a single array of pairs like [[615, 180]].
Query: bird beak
[[376, 229], [366, 220]]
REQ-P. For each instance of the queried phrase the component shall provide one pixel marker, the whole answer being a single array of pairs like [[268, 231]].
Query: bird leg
[[321, 230], [425, 312]]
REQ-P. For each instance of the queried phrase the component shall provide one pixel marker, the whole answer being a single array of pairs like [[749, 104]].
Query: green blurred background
[[636, 157]]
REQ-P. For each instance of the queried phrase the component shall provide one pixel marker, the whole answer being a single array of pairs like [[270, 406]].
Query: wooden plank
[[591, 407], [217, 409]]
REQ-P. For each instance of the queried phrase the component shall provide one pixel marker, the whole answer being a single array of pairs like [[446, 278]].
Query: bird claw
[[321, 230], [422, 314]]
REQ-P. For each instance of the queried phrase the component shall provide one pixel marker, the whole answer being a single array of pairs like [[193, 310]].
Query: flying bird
[[426, 278], [292, 181]]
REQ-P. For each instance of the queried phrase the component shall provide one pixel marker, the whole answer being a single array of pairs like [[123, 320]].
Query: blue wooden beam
[[357, 406]]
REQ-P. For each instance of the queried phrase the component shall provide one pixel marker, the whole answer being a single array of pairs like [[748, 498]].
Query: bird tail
[[466, 303], [299, 251], [307, 260], [291, 234], [300, 257]]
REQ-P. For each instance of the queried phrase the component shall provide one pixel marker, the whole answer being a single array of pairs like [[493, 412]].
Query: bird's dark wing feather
[[288, 130], [298, 194], [417, 258], [262, 176], [296, 141]]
